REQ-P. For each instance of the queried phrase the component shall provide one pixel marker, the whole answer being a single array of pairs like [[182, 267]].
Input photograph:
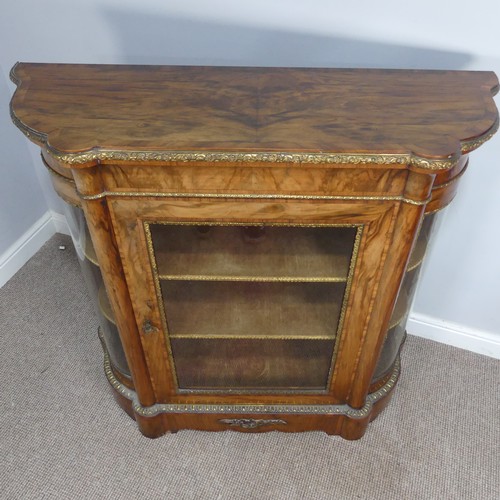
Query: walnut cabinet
[[252, 236]]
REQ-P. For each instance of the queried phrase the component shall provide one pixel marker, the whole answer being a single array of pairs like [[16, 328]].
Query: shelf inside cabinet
[[390, 348], [252, 253], [418, 253], [203, 309], [405, 296], [105, 306], [88, 249]]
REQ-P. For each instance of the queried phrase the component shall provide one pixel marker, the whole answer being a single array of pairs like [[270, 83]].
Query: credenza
[[252, 237]]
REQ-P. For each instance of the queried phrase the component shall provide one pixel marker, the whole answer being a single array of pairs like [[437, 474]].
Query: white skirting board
[[29, 243], [419, 325], [60, 223], [454, 334]]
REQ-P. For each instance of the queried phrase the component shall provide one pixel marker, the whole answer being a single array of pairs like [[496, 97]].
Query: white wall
[[21, 199], [459, 290]]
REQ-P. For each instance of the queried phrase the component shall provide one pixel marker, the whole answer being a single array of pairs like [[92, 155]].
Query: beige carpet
[[63, 436]]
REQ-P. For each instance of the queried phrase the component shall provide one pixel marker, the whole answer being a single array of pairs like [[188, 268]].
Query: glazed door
[[251, 307], [249, 297]]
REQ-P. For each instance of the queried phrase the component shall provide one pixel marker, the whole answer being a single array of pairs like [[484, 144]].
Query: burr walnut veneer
[[252, 236]]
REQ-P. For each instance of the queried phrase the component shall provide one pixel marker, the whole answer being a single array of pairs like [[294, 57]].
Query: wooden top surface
[[75, 109]]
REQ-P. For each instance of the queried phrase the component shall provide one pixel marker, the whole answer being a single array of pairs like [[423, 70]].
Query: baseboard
[[479, 341], [26, 246], [60, 222]]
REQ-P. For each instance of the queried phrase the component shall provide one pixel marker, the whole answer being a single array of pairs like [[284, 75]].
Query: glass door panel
[[252, 308], [252, 364], [240, 252], [209, 309]]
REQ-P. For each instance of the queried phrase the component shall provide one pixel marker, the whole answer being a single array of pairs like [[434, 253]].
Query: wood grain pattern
[[406, 223], [75, 108]]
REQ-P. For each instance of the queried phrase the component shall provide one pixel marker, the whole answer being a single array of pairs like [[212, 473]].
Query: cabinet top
[[85, 114]]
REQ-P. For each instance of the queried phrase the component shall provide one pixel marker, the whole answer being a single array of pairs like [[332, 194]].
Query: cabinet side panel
[[101, 230], [406, 223], [371, 256]]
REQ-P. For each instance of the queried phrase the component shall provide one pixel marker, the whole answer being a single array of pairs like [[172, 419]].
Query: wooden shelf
[[88, 248], [197, 309], [392, 344], [105, 306], [418, 253], [405, 296], [226, 253]]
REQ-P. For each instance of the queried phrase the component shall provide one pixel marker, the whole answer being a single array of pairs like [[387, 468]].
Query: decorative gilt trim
[[345, 301], [248, 223], [110, 156], [120, 388], [433, 164], [235, 157], [471, 144], [134, 194], [12, 75], [453, 179], [250, 337], [30, 133], [159, 408], [251, 423], [254, 279], [53, 172]]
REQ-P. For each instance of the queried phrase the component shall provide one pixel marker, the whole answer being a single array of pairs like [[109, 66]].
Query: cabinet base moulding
[[250, 417]]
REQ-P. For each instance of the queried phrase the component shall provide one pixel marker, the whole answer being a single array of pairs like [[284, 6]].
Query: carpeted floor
[[63, 436]]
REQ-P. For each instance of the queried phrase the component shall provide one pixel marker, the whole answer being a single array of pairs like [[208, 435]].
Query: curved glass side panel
[[397, 327], [95, 286]]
